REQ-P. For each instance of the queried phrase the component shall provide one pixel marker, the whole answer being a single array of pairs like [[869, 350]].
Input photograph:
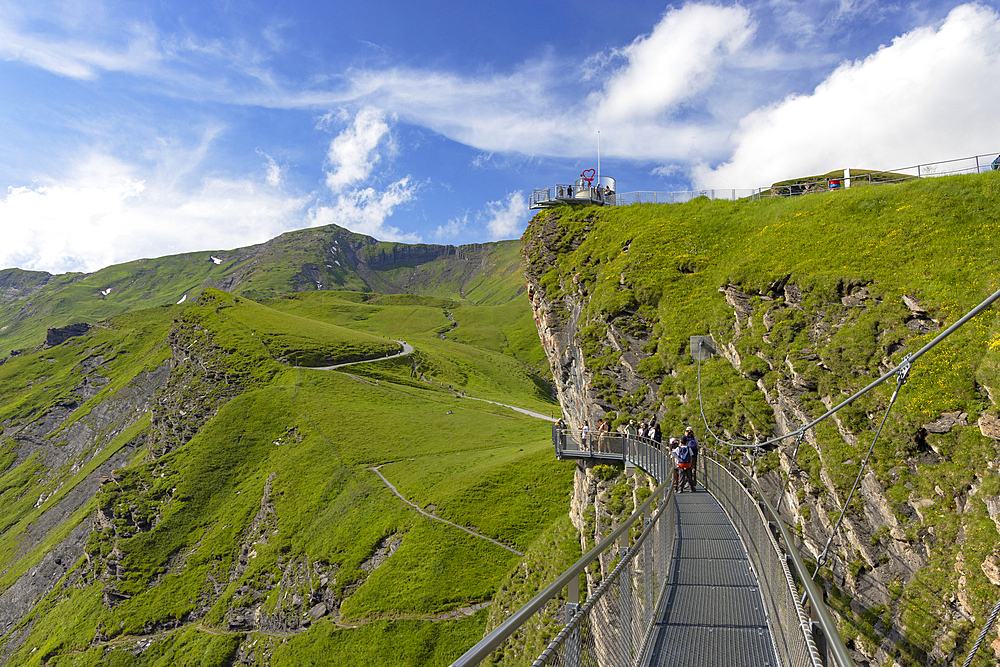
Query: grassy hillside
[[245, 495], [316, 259], [488, 351], [653, 274]]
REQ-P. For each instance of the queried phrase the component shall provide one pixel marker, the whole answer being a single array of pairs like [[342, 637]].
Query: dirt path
[[378, 472], [147, 640], [524, 411], [407, 349]]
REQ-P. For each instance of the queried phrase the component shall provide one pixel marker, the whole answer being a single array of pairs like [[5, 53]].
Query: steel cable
[[900, 381], [982, 635], [791, 461], [701, 407], [901, 372]]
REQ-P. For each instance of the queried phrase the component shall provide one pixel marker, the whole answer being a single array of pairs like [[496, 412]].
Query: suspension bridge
[[706, 578]]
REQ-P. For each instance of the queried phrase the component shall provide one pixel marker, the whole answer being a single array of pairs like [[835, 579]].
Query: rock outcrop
[[889, 544]]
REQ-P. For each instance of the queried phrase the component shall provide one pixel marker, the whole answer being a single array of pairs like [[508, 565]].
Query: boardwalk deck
[[712, 612]]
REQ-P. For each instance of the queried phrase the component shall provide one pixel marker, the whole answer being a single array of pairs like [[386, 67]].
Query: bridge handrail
[[571, 578], [639, 579], [834, 643], [642, 452]]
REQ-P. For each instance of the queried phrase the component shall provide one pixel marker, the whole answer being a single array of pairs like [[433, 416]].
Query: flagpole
[[598, 158]]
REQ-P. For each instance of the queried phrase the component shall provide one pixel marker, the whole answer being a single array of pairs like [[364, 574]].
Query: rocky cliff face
[[62, 445], [16, 284], [899, 574]]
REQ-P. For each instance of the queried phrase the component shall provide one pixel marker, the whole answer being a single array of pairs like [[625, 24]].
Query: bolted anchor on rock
[[702, 348]]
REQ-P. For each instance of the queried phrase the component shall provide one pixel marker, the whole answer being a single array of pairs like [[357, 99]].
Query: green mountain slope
[[320, 258], [173, 490], [808, 300]]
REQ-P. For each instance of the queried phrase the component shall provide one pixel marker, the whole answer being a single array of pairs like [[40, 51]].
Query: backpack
[[684, 454]]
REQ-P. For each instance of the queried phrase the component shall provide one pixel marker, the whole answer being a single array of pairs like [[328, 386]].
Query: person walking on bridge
[[673, 444], [683, 454], [692, 443]]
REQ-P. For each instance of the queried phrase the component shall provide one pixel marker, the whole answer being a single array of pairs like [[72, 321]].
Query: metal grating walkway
[[712, 613]]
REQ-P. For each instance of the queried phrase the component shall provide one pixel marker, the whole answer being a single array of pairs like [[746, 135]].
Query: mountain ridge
[[319, 258]]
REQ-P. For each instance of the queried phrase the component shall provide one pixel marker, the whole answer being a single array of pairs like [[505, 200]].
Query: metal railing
[[613, 627], [679, 197], [975, 164], [798, 639], [641, 452], [569, 194]]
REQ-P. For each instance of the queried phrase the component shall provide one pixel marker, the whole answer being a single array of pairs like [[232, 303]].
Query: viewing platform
[[586, 191]]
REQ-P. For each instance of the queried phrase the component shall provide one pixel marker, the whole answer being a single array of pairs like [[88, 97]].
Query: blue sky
[[141, 129]]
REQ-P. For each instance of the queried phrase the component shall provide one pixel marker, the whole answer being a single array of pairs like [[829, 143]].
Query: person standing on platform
[[630, 433], [655, 434], [692, 443]]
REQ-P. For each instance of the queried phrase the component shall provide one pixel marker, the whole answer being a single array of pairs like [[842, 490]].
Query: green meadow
[[489, 351], [274, 499]]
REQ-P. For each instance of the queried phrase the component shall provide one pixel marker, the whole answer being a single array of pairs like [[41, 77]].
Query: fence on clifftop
[[975, 164]]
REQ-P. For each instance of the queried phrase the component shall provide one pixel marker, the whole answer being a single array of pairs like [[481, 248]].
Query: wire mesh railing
[[613, 627], [679, 197], [799, 639], [570, 194], [610, 626], [974, 164], [642, 452]]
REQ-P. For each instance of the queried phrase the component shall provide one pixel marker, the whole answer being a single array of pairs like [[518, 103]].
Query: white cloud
[[365, 211], [506, 218], [929, 95], [353, 153], [452, 228], [666, 171], [78, 57], [273, 172], [542, 107], [104, 212], [678, 59], [635, 100]]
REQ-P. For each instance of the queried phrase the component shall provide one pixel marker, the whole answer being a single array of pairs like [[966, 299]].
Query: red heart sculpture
[[587, 178]]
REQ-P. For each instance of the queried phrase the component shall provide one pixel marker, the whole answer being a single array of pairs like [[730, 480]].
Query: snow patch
[[183, 299], [336, 262], [105, 292], [215, 259]]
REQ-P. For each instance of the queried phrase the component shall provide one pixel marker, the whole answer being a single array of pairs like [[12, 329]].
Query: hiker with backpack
[[672, 444], [682, 454], [692, 442]]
